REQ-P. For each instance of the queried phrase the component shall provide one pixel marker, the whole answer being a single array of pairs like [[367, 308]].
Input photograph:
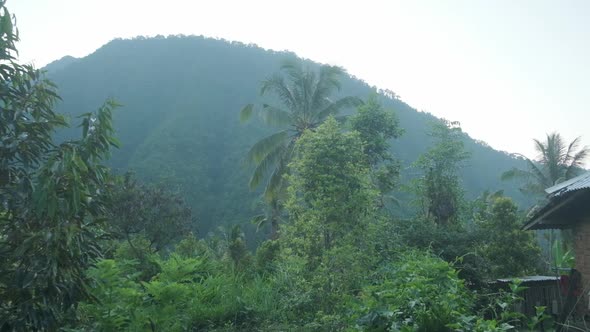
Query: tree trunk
[[274, 229]]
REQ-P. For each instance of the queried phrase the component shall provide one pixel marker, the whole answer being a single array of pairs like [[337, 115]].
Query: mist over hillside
[[179, 122]]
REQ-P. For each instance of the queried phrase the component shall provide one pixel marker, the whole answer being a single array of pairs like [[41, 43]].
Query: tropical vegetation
[[557, 161], [364, 245]]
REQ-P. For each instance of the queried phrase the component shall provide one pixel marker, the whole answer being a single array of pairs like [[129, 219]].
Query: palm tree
[[555, 163], [305, 97]]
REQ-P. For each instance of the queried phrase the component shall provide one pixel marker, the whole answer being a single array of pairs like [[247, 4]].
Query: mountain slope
[[179, 123]]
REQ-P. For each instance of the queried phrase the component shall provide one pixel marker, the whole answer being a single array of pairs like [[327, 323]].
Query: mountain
[[179, 122], [59, 64]]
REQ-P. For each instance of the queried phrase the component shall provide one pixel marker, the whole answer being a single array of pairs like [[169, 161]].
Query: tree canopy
[[52, 196], [306, 101], [557, 161]]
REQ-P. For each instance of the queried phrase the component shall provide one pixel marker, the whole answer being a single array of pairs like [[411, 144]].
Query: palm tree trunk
[[274, 229]]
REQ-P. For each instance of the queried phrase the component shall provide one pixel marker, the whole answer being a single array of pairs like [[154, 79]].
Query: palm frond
[[579, 158], [571, 148], [300, 87], [259, 221], [275, 186], [275, 116], [308, 86], [293, 68], [541, 150], [532, 188], [327, 82], [274, 189], [515, 173], [555, 163], [576, 163], [539, 175], [554, 157], [303, 93], [246, 113], [337, 106], [270, 161], [267, 145], [276, 83]]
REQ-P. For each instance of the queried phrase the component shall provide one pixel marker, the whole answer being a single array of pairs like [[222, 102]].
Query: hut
[[539, 291], [568, 207]]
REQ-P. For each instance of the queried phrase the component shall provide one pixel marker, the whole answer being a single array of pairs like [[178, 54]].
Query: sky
[[507, 70]]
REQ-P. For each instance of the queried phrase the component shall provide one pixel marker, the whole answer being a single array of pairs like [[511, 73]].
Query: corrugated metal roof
[[530, 279], [577, 183]]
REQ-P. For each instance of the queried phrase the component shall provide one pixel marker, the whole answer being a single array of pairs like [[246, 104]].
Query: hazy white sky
[[508, 70]]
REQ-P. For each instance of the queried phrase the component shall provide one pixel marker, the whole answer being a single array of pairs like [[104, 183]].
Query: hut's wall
[[582, 263]]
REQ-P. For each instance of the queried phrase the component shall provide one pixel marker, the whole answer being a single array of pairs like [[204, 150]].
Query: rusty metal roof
[[577, 183]]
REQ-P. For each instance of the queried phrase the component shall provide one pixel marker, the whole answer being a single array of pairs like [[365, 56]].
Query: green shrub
[[137, 248], [190, 246], [418, 292], [266, 256], [187, 294]]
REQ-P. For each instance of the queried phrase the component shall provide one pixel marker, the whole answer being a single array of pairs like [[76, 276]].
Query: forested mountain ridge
[[180, 123]]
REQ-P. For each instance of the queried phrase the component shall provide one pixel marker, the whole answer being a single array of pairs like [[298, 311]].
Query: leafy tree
[[509, 250], [456, 244], [52, 201], [439, 188], [331, 205], [27, 119], [557, 161], [158, 213], [376, 126], [330, 193], [305, 97], [50, 228]]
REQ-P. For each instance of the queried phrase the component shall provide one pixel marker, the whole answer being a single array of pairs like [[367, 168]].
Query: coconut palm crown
[[556, 162], [304, 96]]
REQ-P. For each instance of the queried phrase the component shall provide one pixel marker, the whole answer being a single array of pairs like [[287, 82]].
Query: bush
[[266, 256], [188, 294], [190, 246], [417, 292], [453, 243]]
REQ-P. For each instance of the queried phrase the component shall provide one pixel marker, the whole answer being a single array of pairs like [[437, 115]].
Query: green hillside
[[180, 123]]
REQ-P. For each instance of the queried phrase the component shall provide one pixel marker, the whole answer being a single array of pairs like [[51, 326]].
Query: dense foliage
[[52, 201], [155, 212], [307, 103], [85, 249], [182, 96]]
